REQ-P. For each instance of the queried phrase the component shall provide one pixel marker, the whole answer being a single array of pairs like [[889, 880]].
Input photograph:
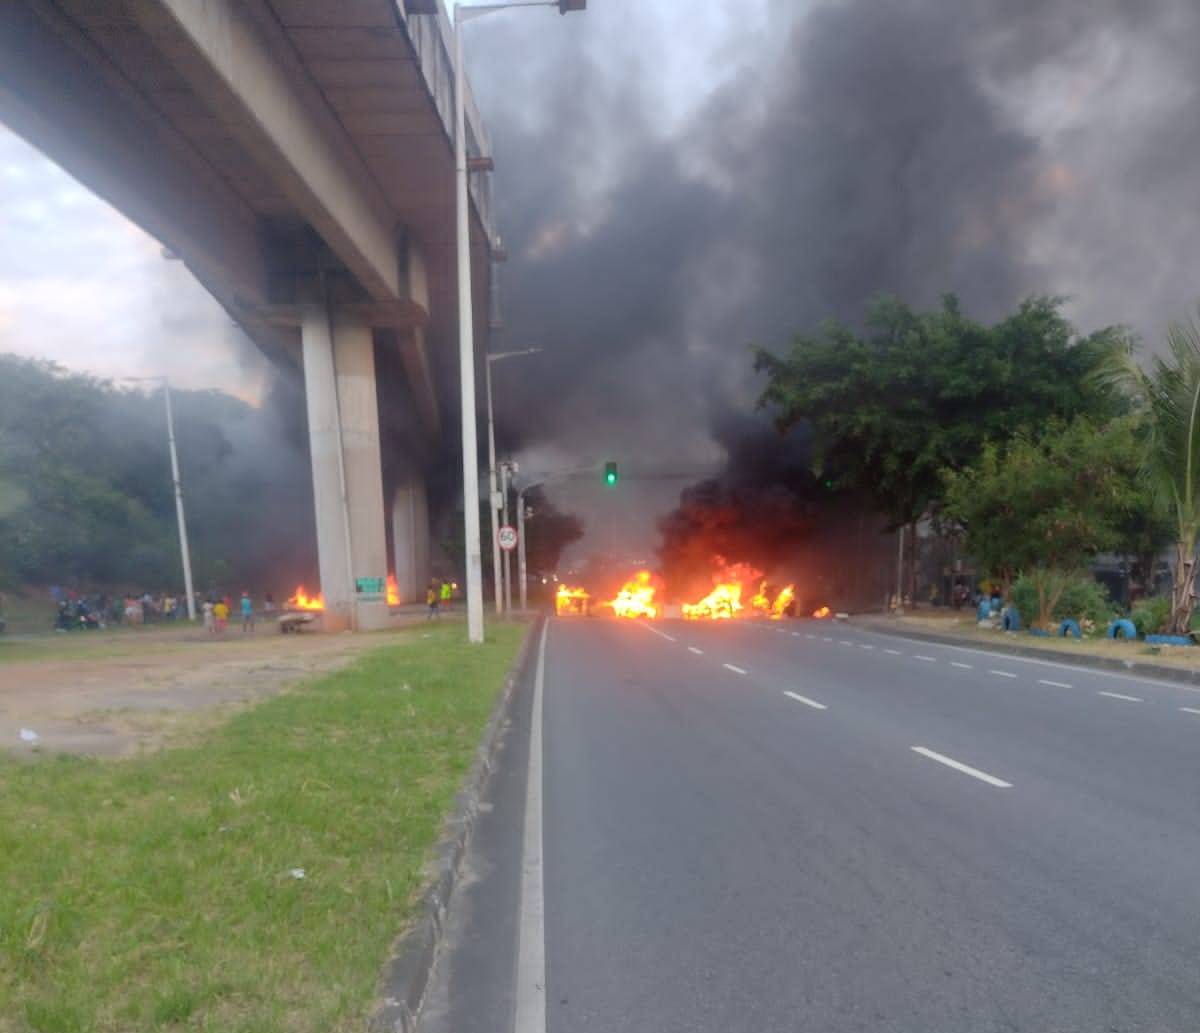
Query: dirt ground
[[117, 694]]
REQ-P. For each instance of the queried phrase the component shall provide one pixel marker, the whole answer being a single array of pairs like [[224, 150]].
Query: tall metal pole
[[900, 572], [466, 351], [505, 475], [521, 549], [183, 538], [492, 492]]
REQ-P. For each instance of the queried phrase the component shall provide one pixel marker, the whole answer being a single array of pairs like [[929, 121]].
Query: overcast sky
[[676, 179]]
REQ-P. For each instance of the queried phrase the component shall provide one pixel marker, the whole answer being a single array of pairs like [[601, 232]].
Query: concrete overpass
[[298, 156]]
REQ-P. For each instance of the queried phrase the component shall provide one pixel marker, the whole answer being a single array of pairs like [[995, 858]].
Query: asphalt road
[[800, 826]]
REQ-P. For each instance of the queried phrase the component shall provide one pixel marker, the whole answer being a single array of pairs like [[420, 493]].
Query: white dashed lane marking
[[927, 659], [1190, 710], [957, 663], [1122, 696], [966, 769], [1055, 684], [693, 649], [806, 701], [734, 668], [893, 652], [1002, 674]]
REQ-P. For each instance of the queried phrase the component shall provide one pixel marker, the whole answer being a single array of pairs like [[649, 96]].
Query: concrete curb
[[406, 974], [1145, 670]]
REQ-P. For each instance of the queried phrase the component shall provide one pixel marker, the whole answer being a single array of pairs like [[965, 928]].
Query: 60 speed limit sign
[[507, 537]]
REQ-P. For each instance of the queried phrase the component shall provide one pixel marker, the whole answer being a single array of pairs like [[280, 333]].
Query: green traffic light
[[610, 473]]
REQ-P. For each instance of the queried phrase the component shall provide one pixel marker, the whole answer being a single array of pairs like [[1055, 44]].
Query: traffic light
[[610, 474]]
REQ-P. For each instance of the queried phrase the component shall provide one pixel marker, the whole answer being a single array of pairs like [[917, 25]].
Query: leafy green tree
[[1168, 398], [918, 392], [1044, 505]]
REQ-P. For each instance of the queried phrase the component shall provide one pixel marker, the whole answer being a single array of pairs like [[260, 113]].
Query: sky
[[678, 179]]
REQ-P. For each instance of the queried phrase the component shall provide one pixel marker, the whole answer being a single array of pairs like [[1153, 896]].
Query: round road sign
[[507, 536]]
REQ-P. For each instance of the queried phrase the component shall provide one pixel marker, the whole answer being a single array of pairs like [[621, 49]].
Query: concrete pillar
[[410, 540], [339, 376]]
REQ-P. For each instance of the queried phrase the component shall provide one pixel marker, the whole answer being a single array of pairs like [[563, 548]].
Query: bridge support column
[[343, 431], [410, 540]]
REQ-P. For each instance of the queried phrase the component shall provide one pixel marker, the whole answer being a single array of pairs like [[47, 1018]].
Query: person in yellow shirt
[[221, 615]]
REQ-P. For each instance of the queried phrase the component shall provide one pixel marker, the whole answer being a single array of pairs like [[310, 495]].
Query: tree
[[919, 392], [548, 532], [1168, 398], [1044, 505]]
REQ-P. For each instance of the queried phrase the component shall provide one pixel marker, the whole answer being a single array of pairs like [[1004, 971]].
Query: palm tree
[[1168, 398]]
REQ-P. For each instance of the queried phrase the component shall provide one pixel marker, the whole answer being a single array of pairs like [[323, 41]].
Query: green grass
[[156, 894]]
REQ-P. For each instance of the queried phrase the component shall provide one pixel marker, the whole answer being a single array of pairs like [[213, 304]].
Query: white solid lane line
[[965, 667], [531, 945], [966, 769], [1119, 695], [1002, 674], [693, 649], [734, 668], [894, 652], [927, 659], [1056, 684], [1190, 710], [806, 701]]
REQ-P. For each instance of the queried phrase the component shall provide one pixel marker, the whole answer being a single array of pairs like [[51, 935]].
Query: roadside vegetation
[[1038, 448], [254, 881]]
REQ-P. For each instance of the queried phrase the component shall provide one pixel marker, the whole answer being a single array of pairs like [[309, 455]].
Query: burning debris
[[301, 600], [731, 584], [822, 612], [636, 598], [571, 601]]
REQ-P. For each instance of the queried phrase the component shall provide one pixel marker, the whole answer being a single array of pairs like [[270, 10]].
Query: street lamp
[[466, 330], [494, 502], [183, 538]]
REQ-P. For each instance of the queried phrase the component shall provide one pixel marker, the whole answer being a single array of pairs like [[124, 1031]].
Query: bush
[[1151, 616], [1082, 597]]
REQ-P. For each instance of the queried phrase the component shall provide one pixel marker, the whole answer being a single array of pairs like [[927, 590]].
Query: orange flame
[[636, 598], [782, 601], [731, 584], [393, 591], [824, 611], [301, 600], [570, 600]]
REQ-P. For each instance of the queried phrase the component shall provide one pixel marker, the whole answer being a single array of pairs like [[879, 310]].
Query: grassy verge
[[1184, 657], [165, 893]]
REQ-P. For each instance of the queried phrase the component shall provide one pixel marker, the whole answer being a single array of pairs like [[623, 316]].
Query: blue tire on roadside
[[1122, 628], [1068, 628], [1011, 619]]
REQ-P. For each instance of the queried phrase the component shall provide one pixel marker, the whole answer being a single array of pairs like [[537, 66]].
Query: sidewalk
[[1171, 663]]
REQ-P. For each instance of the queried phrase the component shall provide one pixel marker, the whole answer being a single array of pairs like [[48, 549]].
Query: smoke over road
[[678, 179]]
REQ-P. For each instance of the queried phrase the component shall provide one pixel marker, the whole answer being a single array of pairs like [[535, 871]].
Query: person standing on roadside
[[220, 616], [247, 608], [208, 616], [431, 600], [447, 594]]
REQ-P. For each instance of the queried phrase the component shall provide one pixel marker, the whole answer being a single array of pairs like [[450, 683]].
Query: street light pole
[[183, 538], [466, 329], [493, 501], [493, 492], [177, 484], [466, 350]]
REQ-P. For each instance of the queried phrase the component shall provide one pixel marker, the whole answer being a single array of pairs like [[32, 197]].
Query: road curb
[[406, 973], [1146, 670]]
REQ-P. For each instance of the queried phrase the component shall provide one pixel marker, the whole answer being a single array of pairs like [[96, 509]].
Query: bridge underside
[[297, 156]]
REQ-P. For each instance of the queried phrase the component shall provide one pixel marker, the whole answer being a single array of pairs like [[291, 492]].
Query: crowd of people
[[76, 611]]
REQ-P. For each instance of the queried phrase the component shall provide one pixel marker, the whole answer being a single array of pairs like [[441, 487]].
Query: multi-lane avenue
[[802, 825]]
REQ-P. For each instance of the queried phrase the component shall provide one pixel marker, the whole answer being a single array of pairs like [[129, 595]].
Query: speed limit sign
[[507, 536]]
